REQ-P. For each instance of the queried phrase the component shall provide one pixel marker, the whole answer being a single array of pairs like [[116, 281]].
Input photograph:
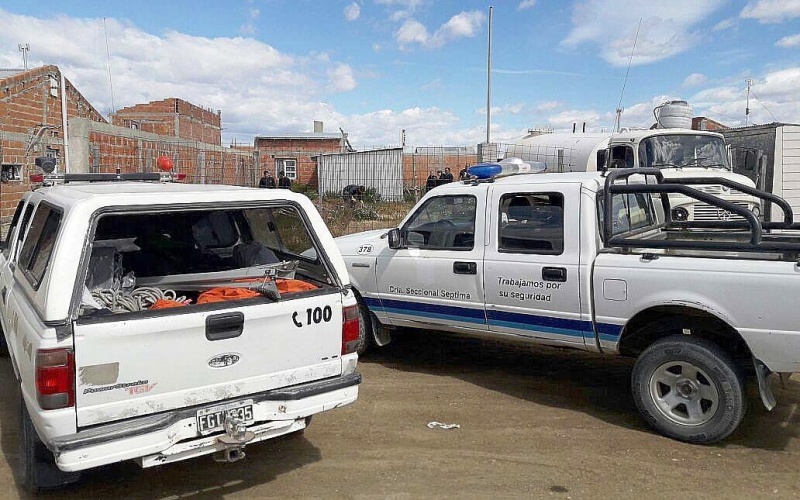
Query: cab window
[[621, 157], [629, 212], [39, 244], [532, 223], [443, 223]]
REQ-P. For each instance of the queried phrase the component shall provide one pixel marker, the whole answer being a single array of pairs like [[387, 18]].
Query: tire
[[688, 389], [365, 336], [38, 470]]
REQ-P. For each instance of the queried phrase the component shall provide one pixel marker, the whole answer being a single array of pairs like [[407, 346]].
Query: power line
[[762, 105]]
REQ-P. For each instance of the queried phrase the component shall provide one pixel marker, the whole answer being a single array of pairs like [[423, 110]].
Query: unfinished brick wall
[[135, 151], [172, 117], [30, 126]]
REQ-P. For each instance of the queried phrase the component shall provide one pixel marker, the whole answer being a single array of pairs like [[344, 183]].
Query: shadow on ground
[[565, 378], [200, 477]]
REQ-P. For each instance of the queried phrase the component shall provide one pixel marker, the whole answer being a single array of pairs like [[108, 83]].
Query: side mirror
[[394, 239]]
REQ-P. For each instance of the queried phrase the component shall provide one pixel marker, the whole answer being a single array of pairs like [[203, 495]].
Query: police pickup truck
[[596, 262], [157, 322]]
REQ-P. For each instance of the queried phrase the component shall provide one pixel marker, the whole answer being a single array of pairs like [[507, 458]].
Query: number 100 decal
[[312, 316]]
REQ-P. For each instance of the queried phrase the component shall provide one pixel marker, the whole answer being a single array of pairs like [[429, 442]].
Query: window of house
[[443, 223], [288, 166], [532, 223], [11, 172]]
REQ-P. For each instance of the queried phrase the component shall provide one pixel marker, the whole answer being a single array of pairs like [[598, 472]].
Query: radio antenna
[[625, 81], [108, 67]]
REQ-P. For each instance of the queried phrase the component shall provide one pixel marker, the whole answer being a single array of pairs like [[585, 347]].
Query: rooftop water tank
[[673, 114]]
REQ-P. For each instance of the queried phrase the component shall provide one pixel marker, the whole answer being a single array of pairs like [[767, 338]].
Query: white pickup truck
[[595, 262], [158, 322]]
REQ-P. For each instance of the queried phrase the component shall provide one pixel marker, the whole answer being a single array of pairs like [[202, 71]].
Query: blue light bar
[[509, 166]]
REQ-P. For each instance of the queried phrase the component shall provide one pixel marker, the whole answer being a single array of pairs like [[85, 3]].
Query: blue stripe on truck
[[520, 321]]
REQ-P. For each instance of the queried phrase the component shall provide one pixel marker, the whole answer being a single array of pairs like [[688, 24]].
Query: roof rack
[[760, 239]]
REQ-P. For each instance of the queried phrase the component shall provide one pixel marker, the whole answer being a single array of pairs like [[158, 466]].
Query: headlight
[[680, 214], [757, 211]]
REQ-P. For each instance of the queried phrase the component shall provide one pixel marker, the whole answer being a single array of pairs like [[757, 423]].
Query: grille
[[717, 190], [704, 211]]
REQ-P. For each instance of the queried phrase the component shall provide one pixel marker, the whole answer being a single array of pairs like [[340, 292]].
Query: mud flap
[[380, 333], [762, 374]]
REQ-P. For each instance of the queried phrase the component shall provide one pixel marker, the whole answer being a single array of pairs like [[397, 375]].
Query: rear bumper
[[171, 437]]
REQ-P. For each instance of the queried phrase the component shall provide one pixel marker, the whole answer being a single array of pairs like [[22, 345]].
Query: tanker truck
[[678, 152]]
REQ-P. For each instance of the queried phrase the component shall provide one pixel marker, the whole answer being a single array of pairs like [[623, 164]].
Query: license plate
[[212, 419]]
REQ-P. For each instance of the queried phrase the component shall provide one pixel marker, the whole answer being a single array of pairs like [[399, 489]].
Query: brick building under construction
[[43, 114]]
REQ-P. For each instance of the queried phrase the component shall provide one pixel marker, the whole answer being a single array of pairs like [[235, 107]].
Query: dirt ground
[[533, 423]]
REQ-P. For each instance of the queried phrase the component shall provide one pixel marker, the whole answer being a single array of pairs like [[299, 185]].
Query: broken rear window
[[152, 260]]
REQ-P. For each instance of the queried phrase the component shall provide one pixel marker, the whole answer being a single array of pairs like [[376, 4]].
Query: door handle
[[554, 274], [465, 268], [224, 326]]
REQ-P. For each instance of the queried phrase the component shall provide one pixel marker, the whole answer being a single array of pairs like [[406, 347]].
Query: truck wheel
[[688, 389], [365, 335], [38, 468]]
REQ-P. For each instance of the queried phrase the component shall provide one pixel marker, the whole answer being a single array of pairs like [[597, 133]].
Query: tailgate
[[133, 365]]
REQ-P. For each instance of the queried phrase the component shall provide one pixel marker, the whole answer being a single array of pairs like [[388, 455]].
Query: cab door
[[436, 278], [532, 263]]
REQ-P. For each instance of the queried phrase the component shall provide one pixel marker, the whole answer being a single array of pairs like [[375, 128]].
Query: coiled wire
[[137, 299]]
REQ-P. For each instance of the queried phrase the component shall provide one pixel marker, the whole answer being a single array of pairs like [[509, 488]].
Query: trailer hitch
[[231, 445]]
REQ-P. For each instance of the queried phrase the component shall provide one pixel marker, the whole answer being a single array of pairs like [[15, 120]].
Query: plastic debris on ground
[[431, 425]]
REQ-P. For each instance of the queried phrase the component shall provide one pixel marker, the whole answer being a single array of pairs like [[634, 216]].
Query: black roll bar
[[750, 221]]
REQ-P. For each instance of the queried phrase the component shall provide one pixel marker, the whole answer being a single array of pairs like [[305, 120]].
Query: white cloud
[[402, 9], [548, 105], [249, 28], [341, 78], [352, 11], [257, 87], [526, 4], [412, 31], [788, 42], [694, 80], [507, 109], [376, 47], [771, 11], [724, 24], [462, 25], [774, 97], [667, 29]]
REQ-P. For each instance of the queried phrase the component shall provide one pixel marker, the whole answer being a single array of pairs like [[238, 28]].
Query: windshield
[[683, 150]]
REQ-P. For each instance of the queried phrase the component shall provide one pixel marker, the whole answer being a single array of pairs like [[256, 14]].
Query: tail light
[[181, 176], [55, 378], [350, 327], [37, 178]]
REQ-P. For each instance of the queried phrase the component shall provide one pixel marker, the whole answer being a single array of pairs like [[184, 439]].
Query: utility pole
[[747, 106], [24, 48], [489, 82]]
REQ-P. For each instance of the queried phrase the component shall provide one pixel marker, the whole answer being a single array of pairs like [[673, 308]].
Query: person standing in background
[[283, 181], [464, 174], [446, 176], [268, 181], [432, 181]]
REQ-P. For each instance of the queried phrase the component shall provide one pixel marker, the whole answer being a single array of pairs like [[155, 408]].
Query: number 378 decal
[[312, 316]]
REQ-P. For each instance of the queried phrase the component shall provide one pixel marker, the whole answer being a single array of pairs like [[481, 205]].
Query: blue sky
[[375, 67]]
